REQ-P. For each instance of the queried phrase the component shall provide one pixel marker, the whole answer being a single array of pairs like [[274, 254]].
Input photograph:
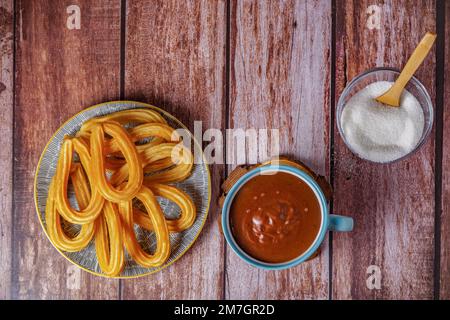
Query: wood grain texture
[[280, 73], [445, 217], [59, 72], [6, 128], [175, 59], [393, 205]]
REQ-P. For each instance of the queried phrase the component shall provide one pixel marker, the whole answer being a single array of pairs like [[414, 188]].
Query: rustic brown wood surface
[[6, 128], [445, 230], [275, 55], [230, 64], [59, 72], [175, 59], [393, 205]]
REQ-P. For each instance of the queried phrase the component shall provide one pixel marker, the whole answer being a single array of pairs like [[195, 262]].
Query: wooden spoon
[[392, 96]]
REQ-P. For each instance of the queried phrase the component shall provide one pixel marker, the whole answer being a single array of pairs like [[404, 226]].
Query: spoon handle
[[392, 96]]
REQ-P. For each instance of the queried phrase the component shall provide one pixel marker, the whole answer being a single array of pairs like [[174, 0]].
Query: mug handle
[[340, 223]]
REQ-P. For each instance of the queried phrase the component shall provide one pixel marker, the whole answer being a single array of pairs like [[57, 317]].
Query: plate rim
[[145, 105]]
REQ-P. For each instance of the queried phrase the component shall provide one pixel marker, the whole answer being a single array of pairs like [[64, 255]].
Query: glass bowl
[[414, 86]]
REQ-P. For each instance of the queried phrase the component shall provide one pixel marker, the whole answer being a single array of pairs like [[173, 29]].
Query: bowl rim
[[427, 126], [141, 105], [225, 221]]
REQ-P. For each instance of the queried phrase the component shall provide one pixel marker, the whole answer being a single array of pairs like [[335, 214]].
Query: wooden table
[[232, 64]]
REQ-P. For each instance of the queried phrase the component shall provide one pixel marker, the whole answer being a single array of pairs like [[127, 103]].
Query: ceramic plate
[[198, 186]]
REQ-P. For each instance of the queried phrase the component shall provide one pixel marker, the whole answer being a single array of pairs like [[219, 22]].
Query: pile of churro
[[117, 165]]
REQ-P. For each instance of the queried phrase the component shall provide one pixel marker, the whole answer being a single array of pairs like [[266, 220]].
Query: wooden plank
[[445, 217], [280, 73], [6, 128], [175, 59], [393, 205], [59, 72]]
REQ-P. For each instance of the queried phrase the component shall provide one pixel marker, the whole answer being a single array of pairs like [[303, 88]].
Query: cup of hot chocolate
[[276, 217]]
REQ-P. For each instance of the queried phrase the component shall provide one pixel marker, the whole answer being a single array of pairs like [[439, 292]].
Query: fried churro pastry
[[159, 226], [182, 158], [92, 210], [53, 219], [108, 240], [158, 152], [162, 132], [135, 173], [180, 198], [123, 118]]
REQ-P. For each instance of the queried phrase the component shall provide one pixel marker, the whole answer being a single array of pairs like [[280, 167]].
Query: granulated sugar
[[381, 133]]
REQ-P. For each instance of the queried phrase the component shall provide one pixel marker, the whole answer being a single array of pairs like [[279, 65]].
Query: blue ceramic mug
[[329, 221]]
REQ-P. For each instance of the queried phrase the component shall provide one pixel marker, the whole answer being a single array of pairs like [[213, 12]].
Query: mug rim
[[305, 177]]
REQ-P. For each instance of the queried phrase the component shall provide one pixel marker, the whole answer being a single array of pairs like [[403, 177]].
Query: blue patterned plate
[[198, 186]]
